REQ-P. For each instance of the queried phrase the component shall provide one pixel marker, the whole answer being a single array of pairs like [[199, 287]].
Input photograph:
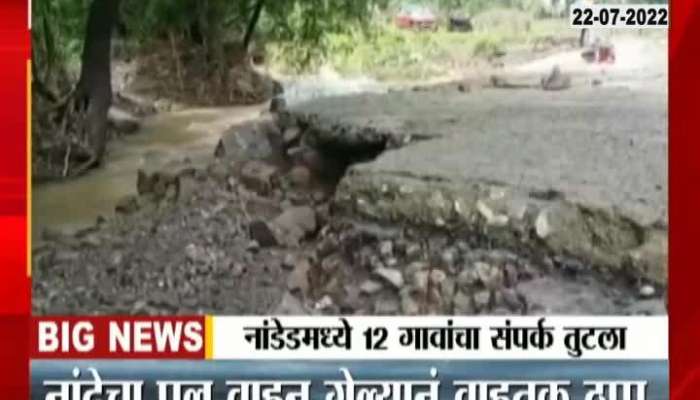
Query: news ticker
[[352, 338], [350, 380]]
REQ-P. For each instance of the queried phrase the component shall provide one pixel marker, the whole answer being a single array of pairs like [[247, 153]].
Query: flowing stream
[[164, 140]]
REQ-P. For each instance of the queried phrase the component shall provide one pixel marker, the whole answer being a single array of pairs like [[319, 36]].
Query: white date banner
[[619, 16], [543, 338]]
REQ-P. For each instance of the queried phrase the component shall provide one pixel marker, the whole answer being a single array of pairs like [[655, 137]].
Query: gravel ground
[[262, 229], [254, 238]]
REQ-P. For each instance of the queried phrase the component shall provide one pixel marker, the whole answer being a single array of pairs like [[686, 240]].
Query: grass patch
[[388, 53]]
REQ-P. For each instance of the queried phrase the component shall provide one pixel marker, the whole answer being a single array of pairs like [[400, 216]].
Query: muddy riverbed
[[164, 140], [235, 234], [359, 205]]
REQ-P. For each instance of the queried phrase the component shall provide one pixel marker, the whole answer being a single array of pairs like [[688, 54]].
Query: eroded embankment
[[612, 220], [511, 218], [263, 229]]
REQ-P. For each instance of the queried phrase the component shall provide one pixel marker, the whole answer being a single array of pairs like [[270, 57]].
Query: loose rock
[[409, 305], [647, 291], [449, 257], [261, 233], [300, 176], [482, 300], [370, 287], [391, 276], [298, 280], [325, 303], [238, 270], [511, 300], [291, 135], [294, 224], [289, 261], [387, 307], [123, 121], [195, 254], [127, 205], [462, 304], [489, 275], [290, 305], [258, 176], [386, 248], [542, 225], [467, 278], [247, 142], [413, 250]]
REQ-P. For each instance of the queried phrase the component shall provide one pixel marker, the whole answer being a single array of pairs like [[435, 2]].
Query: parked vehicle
[[459, 22], [416, 17]]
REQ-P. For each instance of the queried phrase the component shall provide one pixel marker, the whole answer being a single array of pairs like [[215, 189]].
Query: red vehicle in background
[[416, 17]]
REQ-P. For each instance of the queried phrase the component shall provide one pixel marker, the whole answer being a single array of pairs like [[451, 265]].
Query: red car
[[416, 17]]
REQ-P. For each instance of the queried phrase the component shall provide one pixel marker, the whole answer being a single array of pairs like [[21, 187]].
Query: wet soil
[[183, 219], [254, 236]]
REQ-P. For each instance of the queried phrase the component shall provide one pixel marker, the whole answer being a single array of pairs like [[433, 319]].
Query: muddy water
[[164, 140]]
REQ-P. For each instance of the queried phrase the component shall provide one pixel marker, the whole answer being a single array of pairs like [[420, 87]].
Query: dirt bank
[[579, 172], [458, 199], [248, 236]]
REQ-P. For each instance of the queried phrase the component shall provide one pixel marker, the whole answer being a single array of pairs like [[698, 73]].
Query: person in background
[[597, 47], [585, 36]]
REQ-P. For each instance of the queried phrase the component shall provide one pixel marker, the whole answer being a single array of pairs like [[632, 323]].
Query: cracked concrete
[[581, 172]]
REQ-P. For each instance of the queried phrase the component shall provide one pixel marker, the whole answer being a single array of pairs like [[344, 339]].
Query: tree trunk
[[216, 55], [252, 24], [94, 90]]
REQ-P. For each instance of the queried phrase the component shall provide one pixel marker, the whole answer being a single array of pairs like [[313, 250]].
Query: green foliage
[[146, 19], [386, 51], [354, 36], [57, 29], [487, 47], [154, 19], [298, 29], [503, 20], [303, 32], [473, 7]]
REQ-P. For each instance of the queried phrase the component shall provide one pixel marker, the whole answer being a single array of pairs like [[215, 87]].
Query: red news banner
[[108, 338], [356, 338], [116, 338], [285, 358]]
